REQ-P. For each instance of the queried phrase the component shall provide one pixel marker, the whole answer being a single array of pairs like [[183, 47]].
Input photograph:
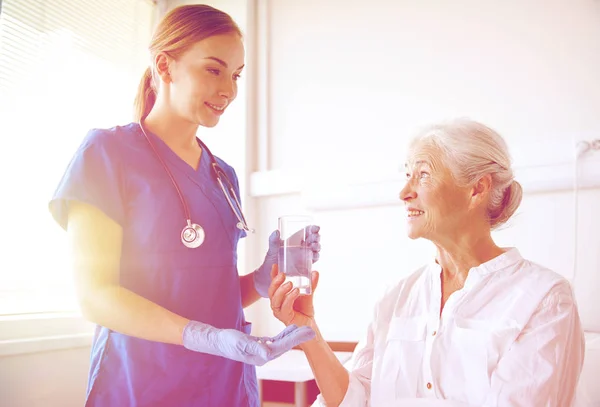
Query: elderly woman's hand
[[287, 304]]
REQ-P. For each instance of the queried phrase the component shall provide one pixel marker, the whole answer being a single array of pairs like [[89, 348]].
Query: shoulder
[[534, 277], [95, 175], [521, 287], [542, 295], [542, 282], [111, 138]]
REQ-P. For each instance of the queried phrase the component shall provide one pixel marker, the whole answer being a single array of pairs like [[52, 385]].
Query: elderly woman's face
[[435, 206]]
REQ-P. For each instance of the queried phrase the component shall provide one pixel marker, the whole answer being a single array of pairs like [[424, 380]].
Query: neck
[[465, 250], [177, 133]]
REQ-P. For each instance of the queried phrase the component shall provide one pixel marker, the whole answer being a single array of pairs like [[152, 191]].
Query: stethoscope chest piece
[[192, 235]]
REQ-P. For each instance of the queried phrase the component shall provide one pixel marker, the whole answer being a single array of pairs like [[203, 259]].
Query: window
[[65, 67]]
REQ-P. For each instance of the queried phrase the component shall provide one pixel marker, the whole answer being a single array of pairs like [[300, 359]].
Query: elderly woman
[[478, 325]]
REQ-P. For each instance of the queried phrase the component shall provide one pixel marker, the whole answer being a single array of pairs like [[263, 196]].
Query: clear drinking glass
[[295, 257]]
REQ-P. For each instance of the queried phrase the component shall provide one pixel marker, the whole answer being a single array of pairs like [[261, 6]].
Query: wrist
[[199, 337], [317, 341], [301, 320], [261, 282], [182, 326]]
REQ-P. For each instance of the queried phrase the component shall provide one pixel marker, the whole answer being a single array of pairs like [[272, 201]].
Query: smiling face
[[202, 82], [436, 206]]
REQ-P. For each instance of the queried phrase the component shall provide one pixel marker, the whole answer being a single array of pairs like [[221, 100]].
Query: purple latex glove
[[236, 345], [262, 275]]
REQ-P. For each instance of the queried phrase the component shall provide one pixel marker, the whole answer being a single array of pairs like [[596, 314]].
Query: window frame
[[26, 332], [42, 332]]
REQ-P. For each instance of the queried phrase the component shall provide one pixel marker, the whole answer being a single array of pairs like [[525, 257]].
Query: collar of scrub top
[[222, 179]]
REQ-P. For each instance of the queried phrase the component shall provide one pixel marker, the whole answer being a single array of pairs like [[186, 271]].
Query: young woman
[[154, 220]]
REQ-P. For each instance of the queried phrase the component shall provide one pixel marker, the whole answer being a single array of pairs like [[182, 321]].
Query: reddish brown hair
[[178, 30]]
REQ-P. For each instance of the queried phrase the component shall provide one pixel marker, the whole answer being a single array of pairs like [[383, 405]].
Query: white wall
[[350, 81], [45, 379]]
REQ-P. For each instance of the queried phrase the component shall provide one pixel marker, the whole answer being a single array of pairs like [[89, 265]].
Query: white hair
[[472, 150]]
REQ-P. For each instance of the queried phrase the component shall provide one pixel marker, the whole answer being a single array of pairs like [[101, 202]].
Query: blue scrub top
[[116, 171]]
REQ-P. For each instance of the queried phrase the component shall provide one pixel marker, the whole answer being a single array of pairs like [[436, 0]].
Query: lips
[[412, 212], [218, 109]]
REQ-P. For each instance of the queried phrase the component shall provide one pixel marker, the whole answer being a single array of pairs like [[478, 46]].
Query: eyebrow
[[221, 62]]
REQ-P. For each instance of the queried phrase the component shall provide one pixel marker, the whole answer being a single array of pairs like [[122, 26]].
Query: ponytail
[[146, 96]]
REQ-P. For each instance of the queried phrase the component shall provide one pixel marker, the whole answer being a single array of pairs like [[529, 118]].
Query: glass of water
[[295, 257]]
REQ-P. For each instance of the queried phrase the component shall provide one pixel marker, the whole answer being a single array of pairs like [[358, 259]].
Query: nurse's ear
[[162, 62]]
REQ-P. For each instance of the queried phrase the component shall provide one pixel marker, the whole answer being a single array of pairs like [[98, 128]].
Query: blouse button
[[434, 332], [428, 386]]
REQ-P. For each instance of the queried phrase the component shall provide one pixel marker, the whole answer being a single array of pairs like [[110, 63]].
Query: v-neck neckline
[[168, 154]]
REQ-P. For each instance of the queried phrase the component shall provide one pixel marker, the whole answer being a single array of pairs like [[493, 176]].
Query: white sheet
[[588, 390]]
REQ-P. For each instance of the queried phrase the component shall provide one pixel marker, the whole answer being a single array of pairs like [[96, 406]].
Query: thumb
[[274, 242], [274, 238], [274, 271]]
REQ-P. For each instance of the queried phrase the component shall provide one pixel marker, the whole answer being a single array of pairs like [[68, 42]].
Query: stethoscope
[[193, 235]]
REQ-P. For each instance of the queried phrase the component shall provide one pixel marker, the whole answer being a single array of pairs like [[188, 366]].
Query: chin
[[413, 234], [212, 122]]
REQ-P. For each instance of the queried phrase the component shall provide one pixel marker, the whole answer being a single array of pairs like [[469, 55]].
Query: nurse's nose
[[228, 89]]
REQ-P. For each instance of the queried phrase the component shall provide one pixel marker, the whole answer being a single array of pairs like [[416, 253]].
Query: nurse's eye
[[215, 72], [236, 76]]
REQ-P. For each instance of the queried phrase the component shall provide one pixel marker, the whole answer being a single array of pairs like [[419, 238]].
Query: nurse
[[154, 221]]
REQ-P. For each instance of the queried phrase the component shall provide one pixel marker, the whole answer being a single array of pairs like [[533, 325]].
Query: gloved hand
[[262, 275], [236, 345]]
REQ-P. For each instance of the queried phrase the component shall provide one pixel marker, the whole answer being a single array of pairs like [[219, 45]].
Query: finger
[[274, 237], [312, 229], [295, 338], [288, 302], [279, 295], [289, 329], [315, 257], [275, 283], [315, 280], [313, 238], [315, 247], [274, 271]]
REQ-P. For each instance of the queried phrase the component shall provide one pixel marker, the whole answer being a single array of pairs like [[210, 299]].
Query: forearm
[[330, 375], [249, 293], [123, 311]]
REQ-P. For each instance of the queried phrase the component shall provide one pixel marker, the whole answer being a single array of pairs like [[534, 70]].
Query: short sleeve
[[93, 177]]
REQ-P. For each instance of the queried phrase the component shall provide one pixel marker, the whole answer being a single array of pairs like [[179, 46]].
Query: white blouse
[[510, 337]]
